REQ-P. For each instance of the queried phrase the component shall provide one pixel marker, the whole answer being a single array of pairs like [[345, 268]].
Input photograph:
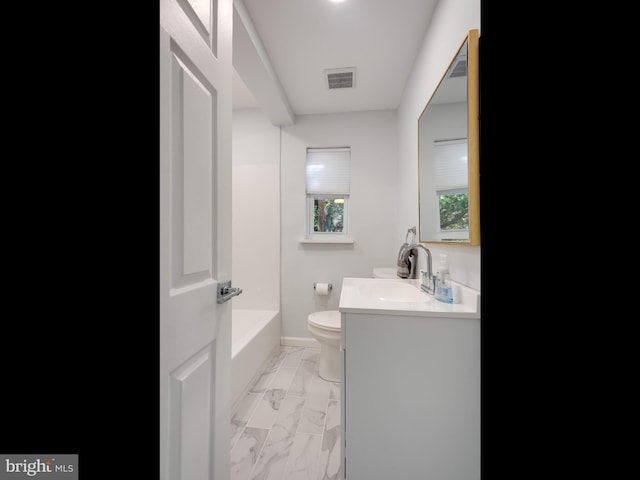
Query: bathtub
[[255, 336]]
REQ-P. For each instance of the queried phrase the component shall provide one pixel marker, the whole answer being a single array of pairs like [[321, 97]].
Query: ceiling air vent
[[459, 69], [340, 77]]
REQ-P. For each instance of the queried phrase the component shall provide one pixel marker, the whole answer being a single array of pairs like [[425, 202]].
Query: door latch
[[226, 292]]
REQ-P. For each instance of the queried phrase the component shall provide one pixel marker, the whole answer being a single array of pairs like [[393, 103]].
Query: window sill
[[327, 240]]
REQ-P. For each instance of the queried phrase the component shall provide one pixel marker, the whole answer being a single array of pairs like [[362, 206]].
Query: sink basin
[[393, 292], [400, 296]]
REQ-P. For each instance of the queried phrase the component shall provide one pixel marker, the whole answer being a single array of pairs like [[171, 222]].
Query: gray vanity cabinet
[[410, 397]]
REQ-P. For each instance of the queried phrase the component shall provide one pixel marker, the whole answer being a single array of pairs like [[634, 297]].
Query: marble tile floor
[[287, 427]]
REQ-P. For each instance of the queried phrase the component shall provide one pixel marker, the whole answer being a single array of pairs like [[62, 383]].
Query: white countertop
[[362, 295]]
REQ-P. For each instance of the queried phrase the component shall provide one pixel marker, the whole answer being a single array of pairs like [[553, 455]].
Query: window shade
[[450, 161], [328, 170]]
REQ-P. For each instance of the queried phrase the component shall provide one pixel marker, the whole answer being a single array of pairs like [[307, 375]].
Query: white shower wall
[[256, 211]]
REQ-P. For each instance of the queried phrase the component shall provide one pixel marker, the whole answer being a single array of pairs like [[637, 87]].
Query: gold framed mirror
[[448, 153]]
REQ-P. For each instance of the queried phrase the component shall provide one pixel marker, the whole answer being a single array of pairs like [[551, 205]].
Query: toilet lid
[[328, 319]]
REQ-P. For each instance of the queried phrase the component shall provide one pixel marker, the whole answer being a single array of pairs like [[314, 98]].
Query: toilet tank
[[385, 272]]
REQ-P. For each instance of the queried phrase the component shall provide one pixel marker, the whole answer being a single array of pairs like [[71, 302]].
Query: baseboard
[[300, 342]]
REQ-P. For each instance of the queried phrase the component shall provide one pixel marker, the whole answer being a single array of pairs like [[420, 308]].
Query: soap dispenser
[[444, 292]]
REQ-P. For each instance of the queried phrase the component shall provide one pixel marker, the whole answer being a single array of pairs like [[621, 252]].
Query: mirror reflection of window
[[450, 163], [453, 213], [452, 192]]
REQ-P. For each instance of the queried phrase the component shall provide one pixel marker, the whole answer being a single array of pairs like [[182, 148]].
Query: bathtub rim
[[259, 344]]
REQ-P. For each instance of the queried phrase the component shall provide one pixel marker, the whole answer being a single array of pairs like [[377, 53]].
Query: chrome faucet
[[427, 279]]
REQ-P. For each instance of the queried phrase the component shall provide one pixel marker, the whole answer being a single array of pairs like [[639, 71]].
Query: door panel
[[195, 239], [202, 15], [191, 396], [192, 161]]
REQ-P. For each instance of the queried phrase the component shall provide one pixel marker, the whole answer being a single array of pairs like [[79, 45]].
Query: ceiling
[[282, 48]]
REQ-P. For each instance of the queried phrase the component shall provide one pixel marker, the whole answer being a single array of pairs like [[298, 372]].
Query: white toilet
[[385, 272], [325, 327]]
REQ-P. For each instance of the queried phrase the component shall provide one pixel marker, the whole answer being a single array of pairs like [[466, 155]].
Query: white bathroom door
[[195, 238]]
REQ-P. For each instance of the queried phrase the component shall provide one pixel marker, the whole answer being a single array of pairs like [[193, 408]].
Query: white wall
[[256, 211], [384, 198], [372, 210], [452, 20]]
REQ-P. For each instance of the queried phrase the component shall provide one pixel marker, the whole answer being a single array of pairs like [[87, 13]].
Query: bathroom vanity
[[410, 382]]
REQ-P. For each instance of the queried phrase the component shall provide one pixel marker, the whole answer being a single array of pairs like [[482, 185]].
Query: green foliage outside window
[[454, 212], [327, 215]]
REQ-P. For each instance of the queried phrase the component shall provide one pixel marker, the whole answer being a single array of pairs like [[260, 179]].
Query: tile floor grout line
[[259, 454], [274, 373]]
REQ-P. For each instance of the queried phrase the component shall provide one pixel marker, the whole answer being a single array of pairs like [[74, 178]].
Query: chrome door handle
[[226, 293]]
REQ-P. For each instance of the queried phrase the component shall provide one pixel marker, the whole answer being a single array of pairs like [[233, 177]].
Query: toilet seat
[[326, 320]]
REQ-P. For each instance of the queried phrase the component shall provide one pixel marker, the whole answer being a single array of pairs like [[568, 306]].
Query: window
[[453, 214], [328, 186], [452, 191]]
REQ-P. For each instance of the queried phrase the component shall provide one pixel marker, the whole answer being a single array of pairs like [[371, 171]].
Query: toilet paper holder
[[330, 286]]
